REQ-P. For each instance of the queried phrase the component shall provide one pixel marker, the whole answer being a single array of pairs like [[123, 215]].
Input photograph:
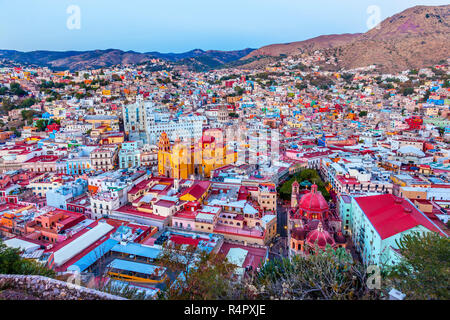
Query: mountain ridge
[[76, 60], [416, 37]]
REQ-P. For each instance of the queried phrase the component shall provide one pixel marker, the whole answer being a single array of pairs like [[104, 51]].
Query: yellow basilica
[[180, 160]]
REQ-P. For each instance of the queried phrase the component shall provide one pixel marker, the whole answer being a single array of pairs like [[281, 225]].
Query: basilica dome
[[313, 202], [320, 237]]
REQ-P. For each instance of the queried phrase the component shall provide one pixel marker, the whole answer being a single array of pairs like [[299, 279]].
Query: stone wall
[[50, 289]]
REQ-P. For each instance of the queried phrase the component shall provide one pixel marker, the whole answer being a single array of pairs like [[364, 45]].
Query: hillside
[[415, 38], [211, 59], [321, 42], [77, 60]]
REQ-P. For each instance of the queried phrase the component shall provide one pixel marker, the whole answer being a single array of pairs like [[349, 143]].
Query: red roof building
[[390, 215]]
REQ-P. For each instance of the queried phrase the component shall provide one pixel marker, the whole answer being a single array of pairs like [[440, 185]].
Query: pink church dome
[[313, 201], [319, 237]]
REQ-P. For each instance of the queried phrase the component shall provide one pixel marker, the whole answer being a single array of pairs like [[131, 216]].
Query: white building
[[141, 117]]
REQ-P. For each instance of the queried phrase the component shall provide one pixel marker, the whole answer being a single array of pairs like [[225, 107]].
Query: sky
[[181, 25]]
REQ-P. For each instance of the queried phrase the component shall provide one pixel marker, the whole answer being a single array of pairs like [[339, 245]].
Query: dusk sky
[[182, 25]]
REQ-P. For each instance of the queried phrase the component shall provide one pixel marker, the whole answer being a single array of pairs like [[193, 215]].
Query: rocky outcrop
[[43, 288]]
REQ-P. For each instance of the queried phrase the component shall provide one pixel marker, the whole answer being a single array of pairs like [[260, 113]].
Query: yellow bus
[[136, 272]]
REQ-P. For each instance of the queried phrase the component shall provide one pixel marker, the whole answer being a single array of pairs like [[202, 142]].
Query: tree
[[12, 263], [41, 124], [16, 89], [116, 77], [207, 276], [7, 105], [239, 91], [362, 113], [28, 102], [424, 269], [408, 91], [301, 86], [446, 84], [16, 132], [329, 274], [310, 175], [79, 96], [426, 96]]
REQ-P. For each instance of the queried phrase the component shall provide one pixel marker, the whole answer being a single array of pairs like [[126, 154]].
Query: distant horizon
[[179, 27], [134, 51]]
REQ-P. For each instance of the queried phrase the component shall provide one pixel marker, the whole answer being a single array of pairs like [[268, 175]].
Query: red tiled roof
[[184, 240], [129, 209], [389, 217], [197, 190], [186, 214], [165, 203]]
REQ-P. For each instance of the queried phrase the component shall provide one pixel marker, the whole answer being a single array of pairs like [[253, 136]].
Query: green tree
[[424, 269], [362, 113], [16, 132], [12, 263], [446, 84], [116, 77], [28, 114], [207, 276], [28, 102], [301, 86], [408, 91], [17, 90], [79, 95], [310, 175], [41, 124], [7, 105], [239, 91], [330, 274]]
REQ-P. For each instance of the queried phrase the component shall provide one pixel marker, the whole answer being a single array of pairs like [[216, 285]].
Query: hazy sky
[[182, 25]]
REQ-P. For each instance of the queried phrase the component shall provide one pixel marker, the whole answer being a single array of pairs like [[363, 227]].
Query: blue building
[[376, 224], [59, 197], [129, 155]]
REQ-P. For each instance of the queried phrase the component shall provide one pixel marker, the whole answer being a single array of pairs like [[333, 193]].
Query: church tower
[[164, 156], [295, 194]]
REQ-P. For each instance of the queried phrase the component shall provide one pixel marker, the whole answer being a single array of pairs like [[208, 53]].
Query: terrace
[[244, 231]]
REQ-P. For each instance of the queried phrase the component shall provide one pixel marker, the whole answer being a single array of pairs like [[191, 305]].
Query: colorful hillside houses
[[47, 116], [53, 127]]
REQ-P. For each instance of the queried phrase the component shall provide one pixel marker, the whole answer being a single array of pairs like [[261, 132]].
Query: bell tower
[[295, 193], [164, 155]]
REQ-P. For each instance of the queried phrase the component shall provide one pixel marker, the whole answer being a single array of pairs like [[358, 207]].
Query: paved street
[[278, 248], [281, 219]]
